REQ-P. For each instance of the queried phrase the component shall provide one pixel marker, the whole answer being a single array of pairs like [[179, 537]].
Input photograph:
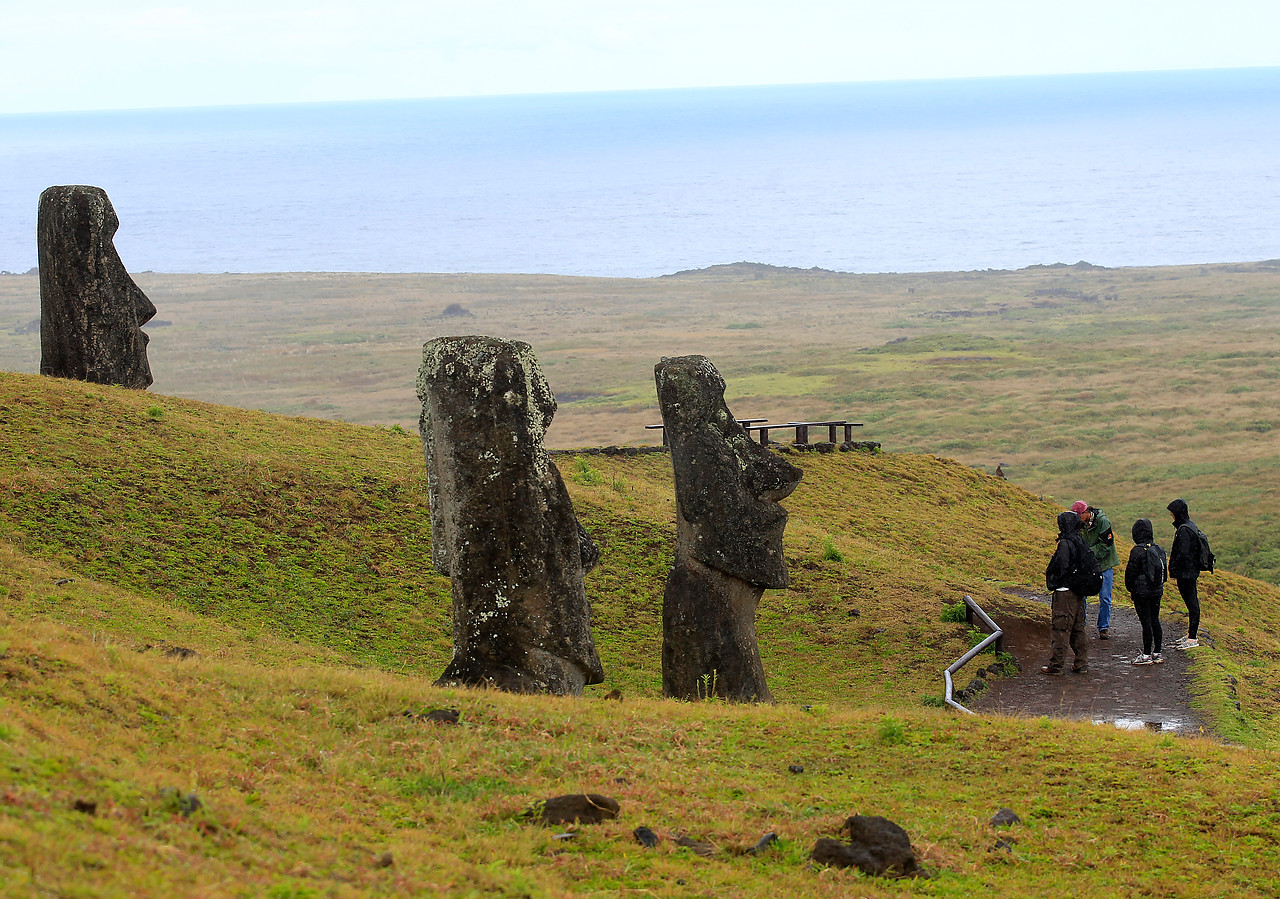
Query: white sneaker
[[1180, 643], [1157, 658], [1189, 644], [1143, 659]]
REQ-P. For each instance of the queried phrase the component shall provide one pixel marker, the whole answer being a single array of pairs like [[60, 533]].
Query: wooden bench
[[762, 427], [747, 423], [802, 429]]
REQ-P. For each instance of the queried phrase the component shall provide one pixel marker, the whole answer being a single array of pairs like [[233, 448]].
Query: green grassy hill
[[292, 556]]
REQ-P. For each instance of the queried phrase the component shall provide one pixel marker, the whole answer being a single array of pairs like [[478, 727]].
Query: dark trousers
[[1068, 628], [1148, 609], [1187, 587]]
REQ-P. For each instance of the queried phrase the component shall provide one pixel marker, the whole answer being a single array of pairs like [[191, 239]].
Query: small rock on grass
[[1005, 818], [876, 846], [645, 837], [183, 805], [585, 808]]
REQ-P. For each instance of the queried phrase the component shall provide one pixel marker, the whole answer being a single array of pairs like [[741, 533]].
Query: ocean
[[997, 173]]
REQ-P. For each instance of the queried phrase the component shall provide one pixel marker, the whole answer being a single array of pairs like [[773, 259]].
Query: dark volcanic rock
[[876, 846], [91, 312], [1006, 817], [646, 837], [587, 808], [442, 716], [729, 529], [502, 525]]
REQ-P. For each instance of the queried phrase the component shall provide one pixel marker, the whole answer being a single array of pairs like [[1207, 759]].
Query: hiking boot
[[1104, 634], [1157, 659], [1143, 659], [1189, 644], [1052, 672], [1082, 669]]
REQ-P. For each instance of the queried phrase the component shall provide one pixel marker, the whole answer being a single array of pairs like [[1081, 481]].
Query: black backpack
[[1086, 578], [1153, 568], [1204, 555]]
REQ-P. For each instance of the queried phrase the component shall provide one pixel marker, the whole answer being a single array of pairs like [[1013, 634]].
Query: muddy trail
[[1114, 690]]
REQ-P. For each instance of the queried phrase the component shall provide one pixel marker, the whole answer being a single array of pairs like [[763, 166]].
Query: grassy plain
[[291, 555], [1127, 387]]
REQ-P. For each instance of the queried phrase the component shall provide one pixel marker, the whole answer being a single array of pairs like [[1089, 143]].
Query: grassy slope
[[292, 555], [1125, 386]]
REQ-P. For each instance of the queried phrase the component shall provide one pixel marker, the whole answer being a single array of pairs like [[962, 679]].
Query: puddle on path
[[1138, 724]]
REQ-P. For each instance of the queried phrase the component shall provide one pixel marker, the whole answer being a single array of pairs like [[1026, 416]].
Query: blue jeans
[[1104, 599]]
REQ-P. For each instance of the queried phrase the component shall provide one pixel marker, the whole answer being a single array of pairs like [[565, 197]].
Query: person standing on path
[[1099, 538], [1145, 576], [1184, 567], [1068, 608]]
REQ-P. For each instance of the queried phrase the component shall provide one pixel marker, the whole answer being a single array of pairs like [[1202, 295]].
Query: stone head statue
[[503, 526], [727, 485], [91, 312]]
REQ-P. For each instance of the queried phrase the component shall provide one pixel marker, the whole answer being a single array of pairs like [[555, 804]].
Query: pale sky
[[125, 54]]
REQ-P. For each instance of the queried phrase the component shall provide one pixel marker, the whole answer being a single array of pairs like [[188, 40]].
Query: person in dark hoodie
[[1068, 607], [1184, 567], [1145, 576]]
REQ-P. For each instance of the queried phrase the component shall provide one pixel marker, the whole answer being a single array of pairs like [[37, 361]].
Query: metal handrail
[[993, 637]]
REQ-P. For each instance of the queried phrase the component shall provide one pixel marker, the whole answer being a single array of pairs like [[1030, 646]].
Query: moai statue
[[728, 538], [502, 524], [91, 312]]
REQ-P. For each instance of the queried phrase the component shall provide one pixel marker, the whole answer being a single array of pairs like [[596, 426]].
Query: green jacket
[[1098, 537]]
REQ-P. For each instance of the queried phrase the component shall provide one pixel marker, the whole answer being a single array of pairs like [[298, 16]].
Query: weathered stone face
[[91, 312], [727, 485], [503, 527], [729, 529]]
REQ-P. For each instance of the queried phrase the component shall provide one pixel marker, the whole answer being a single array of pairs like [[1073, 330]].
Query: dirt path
[[1114, 691]]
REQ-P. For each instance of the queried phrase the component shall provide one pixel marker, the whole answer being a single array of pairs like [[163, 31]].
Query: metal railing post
[[996, 636]]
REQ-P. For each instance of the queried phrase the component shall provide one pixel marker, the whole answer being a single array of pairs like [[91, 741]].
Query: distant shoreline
[[725, 268]]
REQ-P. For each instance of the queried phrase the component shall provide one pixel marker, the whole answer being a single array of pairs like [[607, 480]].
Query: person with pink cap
[[1096, 531]]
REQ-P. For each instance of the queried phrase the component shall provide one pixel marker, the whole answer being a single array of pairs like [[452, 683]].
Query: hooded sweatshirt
[[1067, 556], [1184, 557], [1146, 572]]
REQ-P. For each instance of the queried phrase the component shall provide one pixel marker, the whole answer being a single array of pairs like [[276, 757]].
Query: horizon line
[[642, 90]]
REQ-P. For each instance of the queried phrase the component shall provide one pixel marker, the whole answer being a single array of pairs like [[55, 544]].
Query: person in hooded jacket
[[1145, 576], [1184, 568], [1068, 607]]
